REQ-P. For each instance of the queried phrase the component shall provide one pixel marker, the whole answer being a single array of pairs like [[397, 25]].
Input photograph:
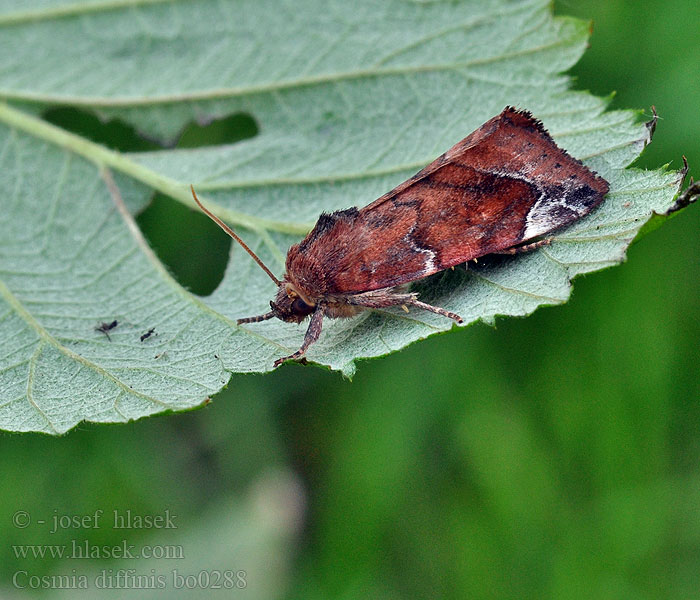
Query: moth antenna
[[228, 230]]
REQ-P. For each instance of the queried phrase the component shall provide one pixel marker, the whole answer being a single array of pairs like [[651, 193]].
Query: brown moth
[[505, 184]]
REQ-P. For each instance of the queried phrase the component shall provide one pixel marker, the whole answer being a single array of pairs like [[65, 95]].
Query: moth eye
[[299, 306]]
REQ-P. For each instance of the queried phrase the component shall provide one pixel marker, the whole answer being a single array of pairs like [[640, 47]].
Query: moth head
[[289, 306]]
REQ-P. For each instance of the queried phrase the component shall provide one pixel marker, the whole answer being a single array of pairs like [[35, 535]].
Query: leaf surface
[[350, 99]]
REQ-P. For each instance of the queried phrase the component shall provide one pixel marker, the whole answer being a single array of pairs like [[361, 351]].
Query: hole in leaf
[[194, 250], [185, 241], [189, 245], [119, 135], [228, 130], [115, 134]]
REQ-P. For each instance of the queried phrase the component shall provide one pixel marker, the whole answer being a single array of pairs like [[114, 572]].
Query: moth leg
[[311, 336], [102, 330], [257, 319], [526, 247], [384, 299], [436, 309]]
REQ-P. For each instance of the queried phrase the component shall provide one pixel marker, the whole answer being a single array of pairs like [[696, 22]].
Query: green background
[[552, 456]]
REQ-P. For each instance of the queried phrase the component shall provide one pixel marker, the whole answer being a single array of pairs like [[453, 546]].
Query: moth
[[498, 191]]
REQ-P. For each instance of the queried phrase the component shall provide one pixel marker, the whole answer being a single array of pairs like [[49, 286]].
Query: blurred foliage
[[552, 456]]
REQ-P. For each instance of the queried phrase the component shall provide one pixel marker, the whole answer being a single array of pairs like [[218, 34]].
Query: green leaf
[[350, 99]]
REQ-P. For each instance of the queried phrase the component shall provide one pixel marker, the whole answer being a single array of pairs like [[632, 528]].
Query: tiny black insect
[[106, 327], [148, 334]]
